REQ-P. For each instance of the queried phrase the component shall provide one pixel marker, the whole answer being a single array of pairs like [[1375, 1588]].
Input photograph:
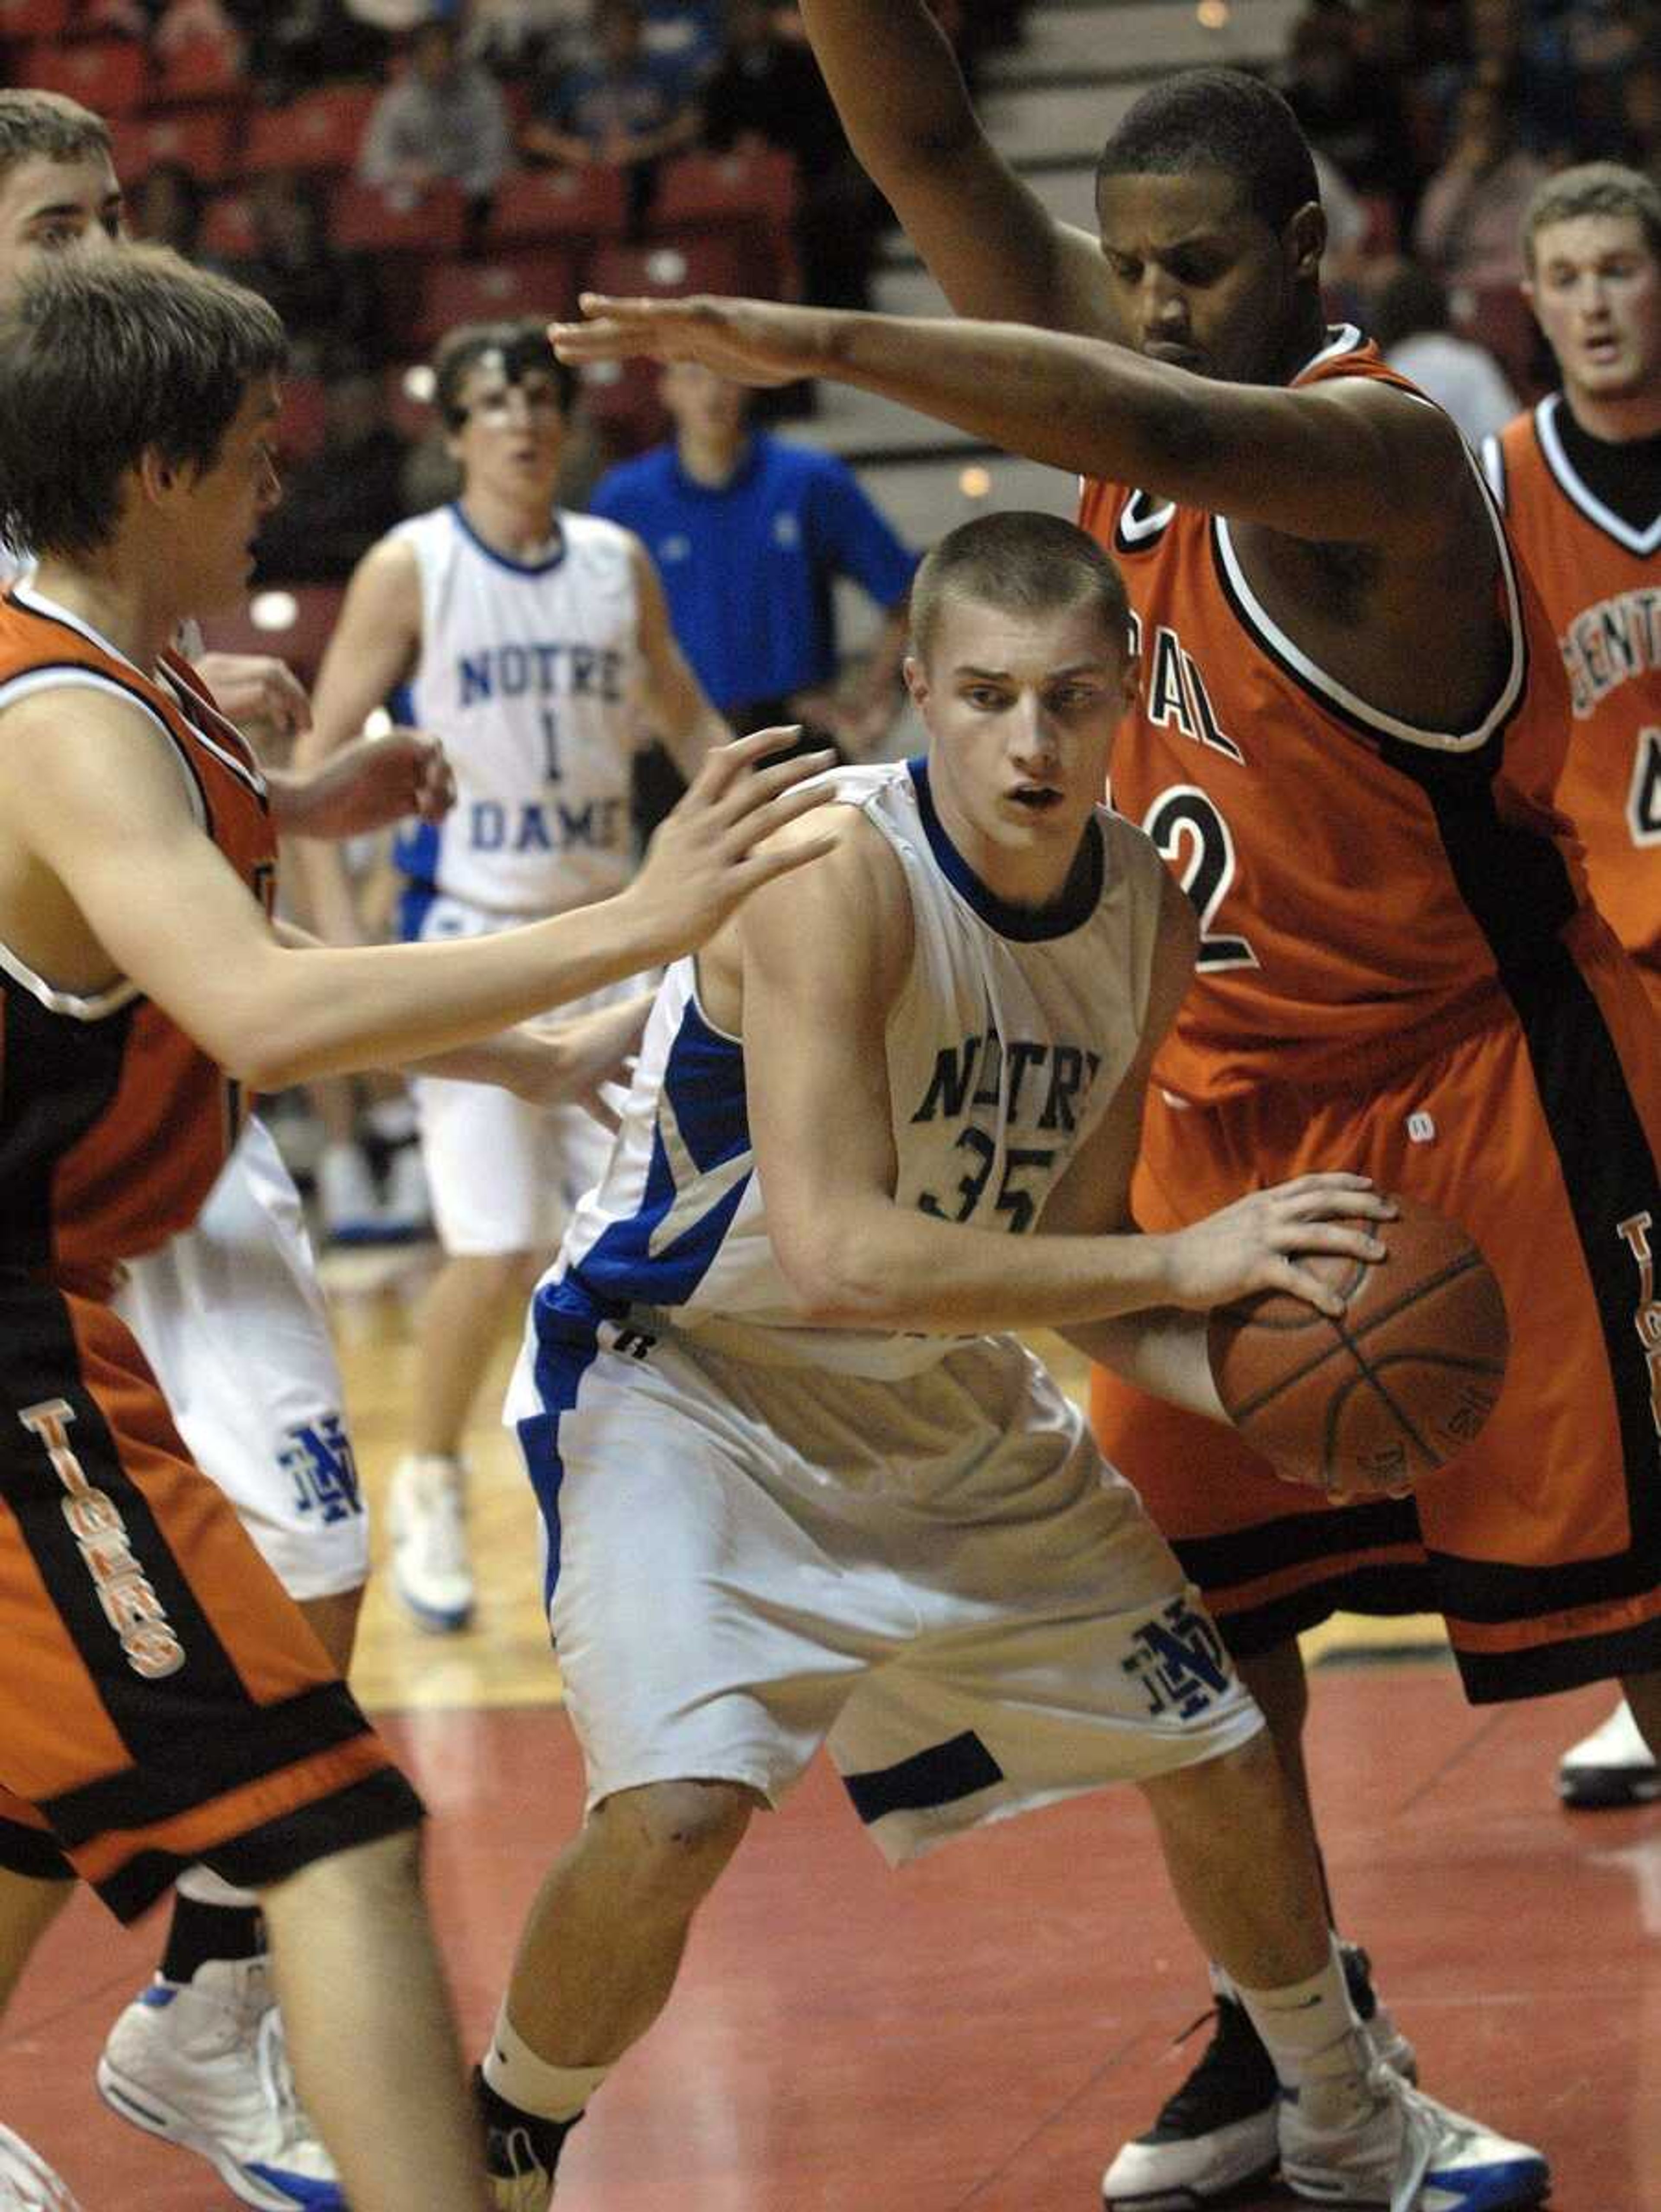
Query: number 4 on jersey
[[1644, 799]]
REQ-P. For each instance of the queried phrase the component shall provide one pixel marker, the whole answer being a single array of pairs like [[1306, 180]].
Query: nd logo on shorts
[[1178, 1660], [318, 1458]]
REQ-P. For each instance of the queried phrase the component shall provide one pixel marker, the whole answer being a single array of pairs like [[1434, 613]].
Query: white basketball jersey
[[1011, 1036], [531, 674]]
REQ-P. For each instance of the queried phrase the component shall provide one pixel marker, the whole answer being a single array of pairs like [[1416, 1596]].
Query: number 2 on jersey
[[1193, 837]]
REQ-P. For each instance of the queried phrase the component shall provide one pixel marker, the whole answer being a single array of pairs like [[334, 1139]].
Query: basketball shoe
[[203, 2063], [521, 2151], [1611, 1766], [431, 1570], [1219, 2130], [1389, 2145], [28, 2184]]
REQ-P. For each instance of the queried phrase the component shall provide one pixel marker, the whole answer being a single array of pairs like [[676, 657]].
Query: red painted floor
[[977, 2034]]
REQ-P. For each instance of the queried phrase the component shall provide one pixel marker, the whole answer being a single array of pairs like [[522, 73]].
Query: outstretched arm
[[1351, 460], [986, 238]]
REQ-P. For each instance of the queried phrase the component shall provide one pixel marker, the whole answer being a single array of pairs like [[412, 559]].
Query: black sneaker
[[1217, 2136], [521, 2151]]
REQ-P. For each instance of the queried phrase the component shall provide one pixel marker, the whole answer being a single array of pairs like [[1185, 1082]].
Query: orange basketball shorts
[[163, 1700], [1541, 1545]]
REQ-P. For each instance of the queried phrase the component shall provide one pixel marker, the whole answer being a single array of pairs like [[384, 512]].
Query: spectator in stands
[[324, 297], [1470, 219], [626, 109], [347, 496], [1350, 108], [749, 534], [195, 23], [768, 91], [443, 118], [294, 44], [166, 209], [1639, 145], [1413, 326]]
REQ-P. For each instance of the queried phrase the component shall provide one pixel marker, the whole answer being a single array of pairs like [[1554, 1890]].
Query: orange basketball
[[1366, 1405]]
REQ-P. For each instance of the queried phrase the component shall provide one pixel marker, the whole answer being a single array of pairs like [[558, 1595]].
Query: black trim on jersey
[[1492, 1678], [942, 1775], [58, 1076], [1335, 708], [27, 1851], [1025, 925], [1556, 433], [197, 1732], [381, 1804], [1145, 529], [238, 756], [1267, 1547], [1385, 1589], [1518, 892]]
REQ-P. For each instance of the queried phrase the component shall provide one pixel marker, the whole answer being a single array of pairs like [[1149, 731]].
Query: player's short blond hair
[[1022, 562], [1594, 188]]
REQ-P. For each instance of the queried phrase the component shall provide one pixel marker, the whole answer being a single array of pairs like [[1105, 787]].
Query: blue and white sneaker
[[203, 2063], [1403, 2152]]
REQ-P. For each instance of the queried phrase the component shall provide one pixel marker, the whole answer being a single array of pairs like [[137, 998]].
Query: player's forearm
[[879, 1265], [331, 1012], [895, 81], [1162, 1351]]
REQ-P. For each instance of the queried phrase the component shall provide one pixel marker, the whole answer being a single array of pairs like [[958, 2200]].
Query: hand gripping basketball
[[1393, 1390]]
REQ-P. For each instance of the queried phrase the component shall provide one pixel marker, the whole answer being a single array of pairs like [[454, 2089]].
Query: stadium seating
[[669, 266], [293, 622], [537, 281], [363, 219], [109, 76], [202, 140], [558, 205], [321, 130]]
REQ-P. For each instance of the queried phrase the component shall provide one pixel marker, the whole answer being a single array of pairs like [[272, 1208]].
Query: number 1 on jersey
[[551, 744]]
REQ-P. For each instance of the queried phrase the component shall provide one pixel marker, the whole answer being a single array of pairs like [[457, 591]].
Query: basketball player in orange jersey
[[165, 1702], [1579, 479], [1354, 720]]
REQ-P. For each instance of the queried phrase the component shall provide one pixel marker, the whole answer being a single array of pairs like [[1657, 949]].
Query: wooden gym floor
[[978, 2033]]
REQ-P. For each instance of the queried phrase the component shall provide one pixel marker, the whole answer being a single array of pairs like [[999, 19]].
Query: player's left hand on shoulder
[[260, 693]]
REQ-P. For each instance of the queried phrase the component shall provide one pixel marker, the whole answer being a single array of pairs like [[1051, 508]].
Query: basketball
[[1395, 1387]]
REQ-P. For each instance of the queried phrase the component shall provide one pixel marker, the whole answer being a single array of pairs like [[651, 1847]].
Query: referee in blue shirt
[[749, 533]]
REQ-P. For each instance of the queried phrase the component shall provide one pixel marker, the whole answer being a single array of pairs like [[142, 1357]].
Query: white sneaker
[[1401, 2151], [204, 2064], [431, 1570], [28, 2184], [1611, 1766]]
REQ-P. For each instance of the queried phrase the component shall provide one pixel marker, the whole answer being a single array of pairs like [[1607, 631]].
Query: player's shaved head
[[1223, 121], [1020, 563]]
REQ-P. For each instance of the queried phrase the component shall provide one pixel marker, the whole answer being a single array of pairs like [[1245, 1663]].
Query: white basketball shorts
[[940, 1577], [504, 1176], [231, 1318]]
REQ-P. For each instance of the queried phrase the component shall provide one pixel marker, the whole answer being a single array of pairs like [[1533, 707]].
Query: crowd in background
[[1432, 120]]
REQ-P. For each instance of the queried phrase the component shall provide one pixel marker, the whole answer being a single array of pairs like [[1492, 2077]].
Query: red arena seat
[[540, 281], [364, 219], [201, 141], [558, 204], [34, 19], [107, 75], [292, 621], [669, 265], [227, 228], [201, 69], [321, 130]]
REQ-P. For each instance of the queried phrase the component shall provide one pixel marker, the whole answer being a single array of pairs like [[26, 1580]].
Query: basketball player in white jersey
[[799, 1488], [537, 644]]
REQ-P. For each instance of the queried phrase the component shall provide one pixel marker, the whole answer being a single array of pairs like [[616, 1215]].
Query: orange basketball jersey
[[1362, 884], [1601, 582], [113, 1124]]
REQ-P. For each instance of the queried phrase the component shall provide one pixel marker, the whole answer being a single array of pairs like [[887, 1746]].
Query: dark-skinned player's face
[[1196, 278]]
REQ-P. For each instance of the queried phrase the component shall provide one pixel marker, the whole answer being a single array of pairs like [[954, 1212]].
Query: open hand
[[751, 341]]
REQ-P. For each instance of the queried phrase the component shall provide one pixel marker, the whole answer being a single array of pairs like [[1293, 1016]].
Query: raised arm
[[95, 815], [824, 963], [676, 707], [986, 238], [373, 648], [1350, 460]]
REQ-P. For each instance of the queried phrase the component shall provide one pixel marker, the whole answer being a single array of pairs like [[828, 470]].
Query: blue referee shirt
[[748, 569]]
